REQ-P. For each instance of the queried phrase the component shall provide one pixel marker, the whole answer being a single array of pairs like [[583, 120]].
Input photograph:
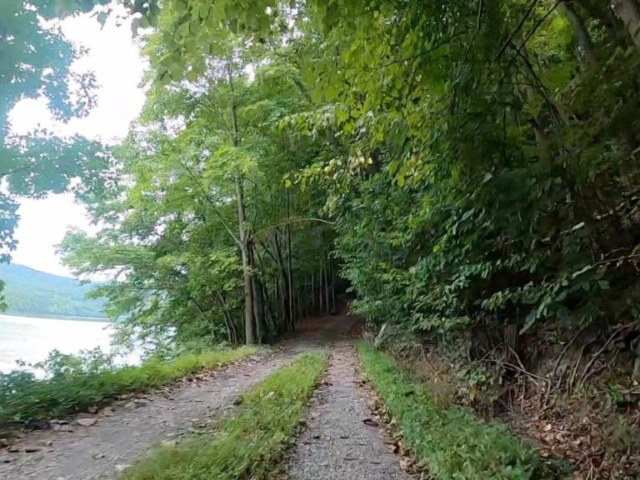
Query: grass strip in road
[[452, 443], [26, 401], [249, 443]]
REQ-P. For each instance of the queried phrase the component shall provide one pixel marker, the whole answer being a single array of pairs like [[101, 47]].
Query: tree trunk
[[320, 293], [283, 283], [326, 289], [289, 263], [334, 308], [267, 302], [242, 233], [587, 54], [629, 12], [248, 299], [313, 292], [258, 311], [232, 333]]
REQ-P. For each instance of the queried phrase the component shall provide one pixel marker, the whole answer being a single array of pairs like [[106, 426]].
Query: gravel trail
[[102, 450], [338, 445]]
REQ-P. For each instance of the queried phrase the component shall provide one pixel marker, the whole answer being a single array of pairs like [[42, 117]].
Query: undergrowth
[[248, 444], [27, 401], [452, 443]]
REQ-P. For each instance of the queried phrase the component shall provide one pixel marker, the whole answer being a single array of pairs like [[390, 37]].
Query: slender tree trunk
[[283, 283], [276, 289], [313, 292], [289, 262], [267, 302], [258, 311], [629, 12], [587, 53], [326, 289], [232, 332], [334, 308], [248, 294], [320, 293], [242, 233]]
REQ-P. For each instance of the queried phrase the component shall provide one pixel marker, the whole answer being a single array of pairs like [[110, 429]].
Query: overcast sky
[[115, 59]]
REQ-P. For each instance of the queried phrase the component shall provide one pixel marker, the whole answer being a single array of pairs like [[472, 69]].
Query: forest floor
[[337, 444]]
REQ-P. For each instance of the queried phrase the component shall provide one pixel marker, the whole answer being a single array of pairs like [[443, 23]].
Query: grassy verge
[[25, 401], [246, 445], [451, 442]]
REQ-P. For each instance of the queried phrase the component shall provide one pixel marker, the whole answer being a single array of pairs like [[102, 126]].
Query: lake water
[[31, 339]]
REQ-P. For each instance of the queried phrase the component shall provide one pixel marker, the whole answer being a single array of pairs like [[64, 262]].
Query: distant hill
[[38, 294]]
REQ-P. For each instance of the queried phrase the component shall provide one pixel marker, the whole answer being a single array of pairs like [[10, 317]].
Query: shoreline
[[40, 316]]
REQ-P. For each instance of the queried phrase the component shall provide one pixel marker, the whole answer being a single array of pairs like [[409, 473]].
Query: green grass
[[452, 443], [28, 402], [248, 444]]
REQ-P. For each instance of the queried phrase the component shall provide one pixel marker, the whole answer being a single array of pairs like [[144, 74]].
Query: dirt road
[[337, 445], [102, 450]]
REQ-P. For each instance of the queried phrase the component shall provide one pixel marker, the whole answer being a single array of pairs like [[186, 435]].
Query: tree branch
[[538, 24], [213, 205], [525, 17], [290, 221]]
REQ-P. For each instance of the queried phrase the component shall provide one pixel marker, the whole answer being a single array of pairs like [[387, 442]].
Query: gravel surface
[[338, 445], [102, 450]]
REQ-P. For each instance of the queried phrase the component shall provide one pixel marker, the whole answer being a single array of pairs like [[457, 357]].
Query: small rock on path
[[338, 444]]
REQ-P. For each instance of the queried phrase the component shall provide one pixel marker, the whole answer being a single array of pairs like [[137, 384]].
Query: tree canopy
[[461, 166]]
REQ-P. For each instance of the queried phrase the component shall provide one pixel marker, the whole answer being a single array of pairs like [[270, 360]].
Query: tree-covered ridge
[[38, 294]]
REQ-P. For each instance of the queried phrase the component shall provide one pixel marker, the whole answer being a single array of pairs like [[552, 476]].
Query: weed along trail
[[107, 443]]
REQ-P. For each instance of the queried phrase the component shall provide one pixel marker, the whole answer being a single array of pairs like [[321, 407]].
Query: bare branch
[[290, 221], [524, 18]]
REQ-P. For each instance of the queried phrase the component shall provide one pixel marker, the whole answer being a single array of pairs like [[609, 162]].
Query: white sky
[[115, 60]]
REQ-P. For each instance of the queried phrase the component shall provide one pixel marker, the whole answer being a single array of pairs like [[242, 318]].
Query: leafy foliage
[[246, 445], [207, 240], [477, 160], [37, 61]]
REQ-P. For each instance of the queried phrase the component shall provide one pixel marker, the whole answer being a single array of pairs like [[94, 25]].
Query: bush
[[452, 443], [76, 387]]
